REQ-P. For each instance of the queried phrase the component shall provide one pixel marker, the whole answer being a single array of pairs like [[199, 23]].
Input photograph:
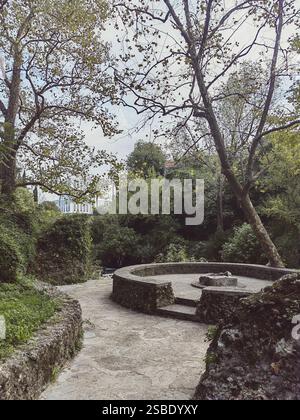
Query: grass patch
[[25, 310]]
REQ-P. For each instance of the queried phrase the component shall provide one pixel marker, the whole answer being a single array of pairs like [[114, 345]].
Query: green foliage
[[212, 333], [282, 181], [12, 262], [174, 253], [212, 248], [288, 242], [17, 235], [120, 244], [243, 247], [281, 189], [126, 240], [211, 358], [25, 310], [64, 81], [47, 214], [65, 252], [146, 159]]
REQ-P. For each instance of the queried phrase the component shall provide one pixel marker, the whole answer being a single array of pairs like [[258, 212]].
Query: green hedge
[[64, 252], [17, 240], [11, 258]]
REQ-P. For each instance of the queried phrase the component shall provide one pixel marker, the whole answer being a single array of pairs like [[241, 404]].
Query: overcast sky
[[123, 144]]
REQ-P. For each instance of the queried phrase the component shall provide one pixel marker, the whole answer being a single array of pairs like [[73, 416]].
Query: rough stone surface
[[142, 288], [33, 365], [255, 357], [129, 355], [247, 270], [144, 296], [218, 304]]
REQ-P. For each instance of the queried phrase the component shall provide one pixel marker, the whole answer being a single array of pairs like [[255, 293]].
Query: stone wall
[[27, 372], [219, 304], [247, 270], [255, 356], [144, 295], [134, 288]]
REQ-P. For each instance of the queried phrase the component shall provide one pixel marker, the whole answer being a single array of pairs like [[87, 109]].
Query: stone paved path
[[128, 355]]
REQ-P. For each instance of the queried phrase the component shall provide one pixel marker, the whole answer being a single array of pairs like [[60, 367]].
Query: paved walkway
[[128, 355], [182, 284]]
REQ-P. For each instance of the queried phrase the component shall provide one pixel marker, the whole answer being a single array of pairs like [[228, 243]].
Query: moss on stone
[[257, 357]]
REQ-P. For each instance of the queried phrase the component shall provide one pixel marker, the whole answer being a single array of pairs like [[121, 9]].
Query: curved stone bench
[[134, 287]]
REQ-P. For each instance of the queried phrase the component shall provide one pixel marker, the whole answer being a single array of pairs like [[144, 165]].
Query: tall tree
[[179, 55], [146, 158], [53, 79]]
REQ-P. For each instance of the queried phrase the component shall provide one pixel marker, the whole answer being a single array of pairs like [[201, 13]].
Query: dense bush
[[118, 247], [17, 235], [243, 247], [126, 240], [289, 247], [12, 262], [65, 251]]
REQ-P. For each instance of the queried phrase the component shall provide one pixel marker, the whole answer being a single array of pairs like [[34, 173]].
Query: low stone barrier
[[256, 356], [219, 304], [27, 372], [247, 270], [141, 294], [134, 287]]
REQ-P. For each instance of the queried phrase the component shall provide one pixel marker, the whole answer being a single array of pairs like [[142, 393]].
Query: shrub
[[289, 247], [125, 239], [119, 246], [12, 262], [175, 252], [17, 240], [243, 247], [181, 251], [47, 214], [65, 251]]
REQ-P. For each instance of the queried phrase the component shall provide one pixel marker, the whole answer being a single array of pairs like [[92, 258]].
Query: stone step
[[187, 302], [176, 311]]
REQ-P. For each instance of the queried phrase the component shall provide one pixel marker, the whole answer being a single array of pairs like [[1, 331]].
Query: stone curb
[[35, 364]]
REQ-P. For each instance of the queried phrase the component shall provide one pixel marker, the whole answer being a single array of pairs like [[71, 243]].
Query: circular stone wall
[[137, 288]]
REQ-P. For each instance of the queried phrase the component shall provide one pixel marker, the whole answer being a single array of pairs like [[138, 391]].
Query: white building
[[68, 206]]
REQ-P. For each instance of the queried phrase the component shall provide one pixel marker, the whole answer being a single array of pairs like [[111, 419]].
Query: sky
[[123, 144]]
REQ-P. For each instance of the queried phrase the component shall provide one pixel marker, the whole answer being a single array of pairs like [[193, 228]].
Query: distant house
[[68, 206]]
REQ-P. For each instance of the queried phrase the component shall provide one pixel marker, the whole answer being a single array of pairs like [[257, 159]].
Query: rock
[[256, 350]]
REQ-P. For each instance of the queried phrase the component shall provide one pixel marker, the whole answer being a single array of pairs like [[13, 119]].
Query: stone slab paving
[[182, 284], [128, 355]]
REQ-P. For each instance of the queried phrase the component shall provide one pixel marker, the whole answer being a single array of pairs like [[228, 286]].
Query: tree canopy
[[55, 79], [146, 158], [190, 55]]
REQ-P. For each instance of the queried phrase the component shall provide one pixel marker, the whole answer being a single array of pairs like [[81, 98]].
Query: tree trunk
[[261, 233], [8, 175], [252, 216], [8, 163], [220, 204]]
